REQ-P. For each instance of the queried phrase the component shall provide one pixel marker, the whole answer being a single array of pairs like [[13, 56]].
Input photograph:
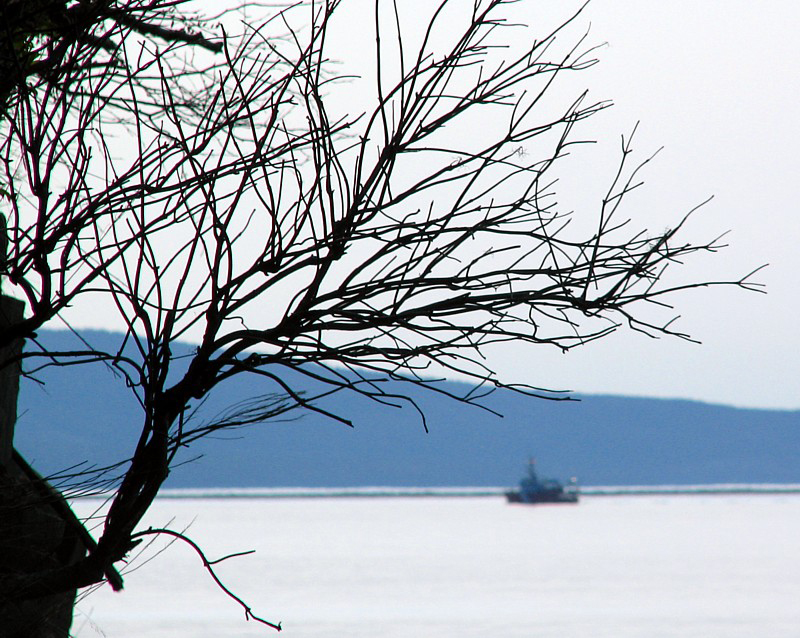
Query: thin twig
[[208, 564]]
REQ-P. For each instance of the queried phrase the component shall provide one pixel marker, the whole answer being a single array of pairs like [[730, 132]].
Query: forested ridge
[[603, 440]]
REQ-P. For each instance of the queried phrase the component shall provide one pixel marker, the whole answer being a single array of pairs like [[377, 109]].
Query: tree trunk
[[34, 534], [10, 314]]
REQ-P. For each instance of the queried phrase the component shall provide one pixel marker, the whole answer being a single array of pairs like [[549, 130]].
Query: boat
[[532, 489]]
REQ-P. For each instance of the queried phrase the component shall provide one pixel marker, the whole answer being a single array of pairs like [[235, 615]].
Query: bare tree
[[259, 210]]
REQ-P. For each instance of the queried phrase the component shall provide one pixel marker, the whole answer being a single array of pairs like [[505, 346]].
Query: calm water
[[654, 566]]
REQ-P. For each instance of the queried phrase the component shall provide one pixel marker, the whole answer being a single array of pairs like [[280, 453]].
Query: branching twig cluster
[[250, 212]]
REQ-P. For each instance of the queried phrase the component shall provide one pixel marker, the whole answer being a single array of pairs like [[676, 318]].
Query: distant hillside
[[84, 414]]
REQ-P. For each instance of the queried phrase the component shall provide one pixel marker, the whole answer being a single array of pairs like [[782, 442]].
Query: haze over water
[[656, 566]]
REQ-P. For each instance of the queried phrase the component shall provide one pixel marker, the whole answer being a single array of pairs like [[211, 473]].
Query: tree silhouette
[[208, 184]]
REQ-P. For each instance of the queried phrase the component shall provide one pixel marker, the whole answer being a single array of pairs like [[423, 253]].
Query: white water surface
[[611, 566]]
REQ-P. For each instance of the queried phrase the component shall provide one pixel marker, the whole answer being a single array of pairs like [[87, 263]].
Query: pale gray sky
[[716, 84]]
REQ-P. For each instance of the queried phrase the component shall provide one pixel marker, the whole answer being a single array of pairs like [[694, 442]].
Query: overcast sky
[[715, 84]]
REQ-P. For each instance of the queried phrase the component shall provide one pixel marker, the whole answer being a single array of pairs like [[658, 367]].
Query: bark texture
[[34, 535]]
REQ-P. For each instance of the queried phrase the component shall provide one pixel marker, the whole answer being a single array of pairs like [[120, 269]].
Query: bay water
[[667, 565]]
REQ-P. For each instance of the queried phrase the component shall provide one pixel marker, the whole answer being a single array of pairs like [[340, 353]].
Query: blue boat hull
[[532, 489], [515, 496]]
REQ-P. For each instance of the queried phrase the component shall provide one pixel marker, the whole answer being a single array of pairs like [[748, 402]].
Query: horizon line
[[394, 492]]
